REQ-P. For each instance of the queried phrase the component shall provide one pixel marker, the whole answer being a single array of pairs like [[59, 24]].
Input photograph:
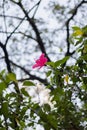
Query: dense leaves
[[69, 97]]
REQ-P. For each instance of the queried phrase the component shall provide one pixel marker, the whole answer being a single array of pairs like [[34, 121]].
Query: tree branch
[[28, 36], [6, 57], [32, 77], [36, 8], [4, 17], [9, 16], [19, 23], [14, 30], [38, 37], [67, 27]]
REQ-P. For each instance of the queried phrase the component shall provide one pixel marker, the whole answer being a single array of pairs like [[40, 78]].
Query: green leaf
[[12, 77], [49, 119], [75, 28], [28, 83], [24, 92], [46, 107], [4, 109], [2, 86], [79, 40], [84, 29], [50, 64], [23, 111], [60, 62], [22, 124], [84, 87], [48, 73], [1, 74], [77, 31], [84, 57]]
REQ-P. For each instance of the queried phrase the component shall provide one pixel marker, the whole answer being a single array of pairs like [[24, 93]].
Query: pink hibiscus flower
[[40, 62]]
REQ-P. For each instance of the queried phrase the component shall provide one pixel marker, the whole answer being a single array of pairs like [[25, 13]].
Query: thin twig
[[67, 27], [4, 17], [9, 16], [36, 9], [19, 22]]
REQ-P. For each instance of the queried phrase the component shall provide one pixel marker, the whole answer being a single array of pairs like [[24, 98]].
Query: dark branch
[[36, 8], [28, 36], [14, 30], [9, 16], [19, 22], [4, 17], [6, 57], [67, 27], [38, 37], [32, 77]]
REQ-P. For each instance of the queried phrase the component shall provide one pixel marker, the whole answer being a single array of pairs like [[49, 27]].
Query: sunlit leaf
[[66, 78], [12, 77], [76, 28], [77, 33]]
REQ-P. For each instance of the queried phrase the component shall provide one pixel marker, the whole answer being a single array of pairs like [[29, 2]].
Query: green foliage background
[[67, 114]]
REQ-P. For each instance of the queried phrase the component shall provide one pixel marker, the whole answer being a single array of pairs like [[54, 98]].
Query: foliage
[[68, 84]]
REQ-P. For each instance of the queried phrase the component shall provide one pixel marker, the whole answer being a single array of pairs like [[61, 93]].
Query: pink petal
[[37, 61], [42, 56], [35, 66], [40, 62]]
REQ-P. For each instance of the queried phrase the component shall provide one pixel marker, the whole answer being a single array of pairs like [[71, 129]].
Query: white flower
[[40, 94]]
